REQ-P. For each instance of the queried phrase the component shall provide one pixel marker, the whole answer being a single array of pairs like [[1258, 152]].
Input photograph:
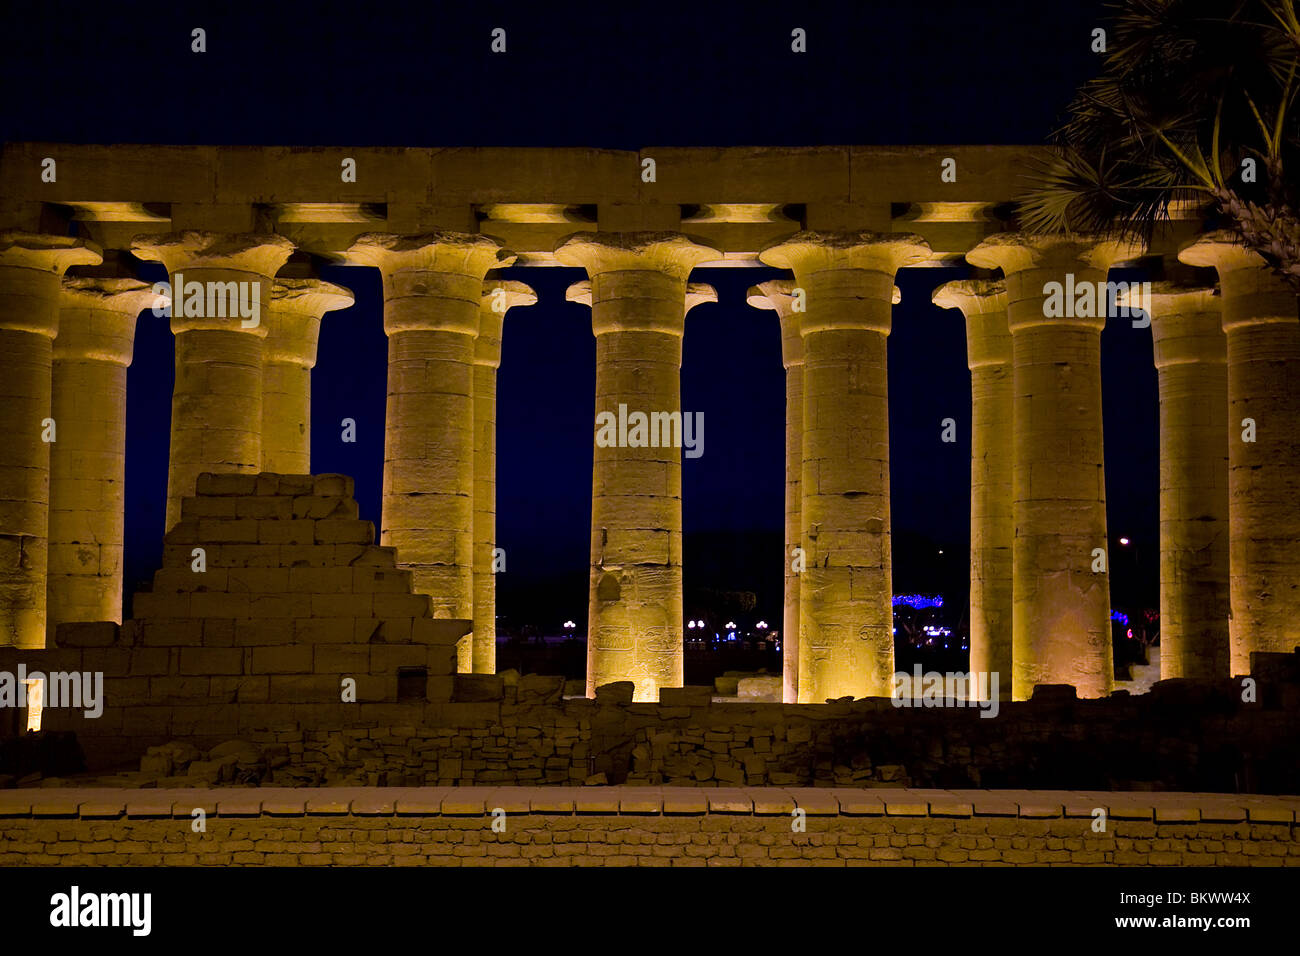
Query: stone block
[[211, 484], [616, 692], [686, 696], [344, 531], [89, 634], [285, 659], [335, 486], [209, 661], [476, 688]]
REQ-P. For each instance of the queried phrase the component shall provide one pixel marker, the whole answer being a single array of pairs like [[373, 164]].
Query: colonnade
[[1040, 599]]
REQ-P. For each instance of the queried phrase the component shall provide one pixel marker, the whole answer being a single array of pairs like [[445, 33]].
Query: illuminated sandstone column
[[217, 321], [499, 295], [433, 291], [775, 295], [846, 645], [30, 267], [292, 331], [1060, 606], [988, 354], [639, 302], [1263, 333], [88, 463], [1191, 362]]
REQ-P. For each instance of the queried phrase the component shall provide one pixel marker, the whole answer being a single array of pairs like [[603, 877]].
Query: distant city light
[[691, 625], [918, 601], [731, 625], [569, 624], [1124, 542], [761, 625], [1119, 617]]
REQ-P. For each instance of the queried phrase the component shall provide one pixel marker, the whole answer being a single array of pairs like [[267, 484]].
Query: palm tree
[[1195, 100]]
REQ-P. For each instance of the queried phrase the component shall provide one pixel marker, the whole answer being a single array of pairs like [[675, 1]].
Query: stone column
[[1061, 607], [1191, 362], [433, 291], [292, 331], [1263, 341], [30, 267], [988, 354], [639, 302], [88, 462], [775, 294], [217, 311], [499, 295], [846, 644]]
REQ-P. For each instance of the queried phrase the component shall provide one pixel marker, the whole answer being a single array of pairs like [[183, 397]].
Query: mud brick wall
[[611, 826]]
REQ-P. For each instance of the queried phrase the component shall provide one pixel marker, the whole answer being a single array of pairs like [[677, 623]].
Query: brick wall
[[560, 826]]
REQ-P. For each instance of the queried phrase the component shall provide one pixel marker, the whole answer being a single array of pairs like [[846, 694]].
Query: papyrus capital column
[[1061, 607], [433, 290], [88, 463], [776, 295], [639, 299], [499, 296], [292, 333], [31, 265], [983, 303], [1192, 374], [1263, 354], [845, 644], [217, 399]]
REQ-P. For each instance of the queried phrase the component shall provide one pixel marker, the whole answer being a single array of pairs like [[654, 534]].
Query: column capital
[[455, 253], [812, 251], [491, 316], [30, 266], [983, 302], [1253, 294], [97, 317], [46, 253], [294, 315], [777, 295], [1186, 323], [672, 253], [848, 277], [972, 296], [259, 254], [697, 293], [432, 281], [1019, 251]]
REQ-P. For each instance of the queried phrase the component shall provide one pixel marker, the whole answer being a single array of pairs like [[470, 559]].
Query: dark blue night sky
[[646, 75]]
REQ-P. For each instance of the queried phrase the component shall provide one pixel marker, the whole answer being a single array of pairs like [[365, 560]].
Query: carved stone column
[[433, 290], [846, 644], [31, 265], [639, 303], [499, 295], [1263, 342], [292, 332], [1061, 605], [217, 400], [988, 354], [88, 463]]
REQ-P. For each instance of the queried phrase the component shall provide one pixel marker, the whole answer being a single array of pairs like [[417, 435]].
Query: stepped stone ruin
[[271, 598]]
